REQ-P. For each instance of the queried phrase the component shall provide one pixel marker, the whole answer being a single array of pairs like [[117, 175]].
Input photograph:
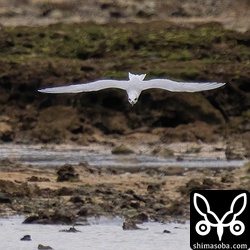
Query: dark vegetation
[[35, 57]]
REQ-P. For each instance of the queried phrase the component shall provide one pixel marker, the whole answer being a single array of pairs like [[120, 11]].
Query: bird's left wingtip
[[41, 90]]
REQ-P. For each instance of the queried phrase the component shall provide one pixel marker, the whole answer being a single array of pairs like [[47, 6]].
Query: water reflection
[[32, 155]]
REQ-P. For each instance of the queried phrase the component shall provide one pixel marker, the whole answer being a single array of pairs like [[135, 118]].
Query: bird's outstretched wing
[[87, 87], [180, 86]]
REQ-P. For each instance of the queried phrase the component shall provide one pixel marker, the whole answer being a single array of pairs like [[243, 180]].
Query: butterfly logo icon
[[203, 227]]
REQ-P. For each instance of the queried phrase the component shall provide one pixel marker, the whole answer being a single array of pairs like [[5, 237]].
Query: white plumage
[[134, 86]]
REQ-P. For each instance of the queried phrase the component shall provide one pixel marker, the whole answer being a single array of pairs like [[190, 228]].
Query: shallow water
[[32, 155], [103, 234]]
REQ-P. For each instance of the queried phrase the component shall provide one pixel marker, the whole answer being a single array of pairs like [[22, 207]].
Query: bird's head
[[133, 97]]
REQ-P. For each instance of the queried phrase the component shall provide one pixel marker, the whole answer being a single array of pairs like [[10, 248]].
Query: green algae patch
[[89, 40], [122, 150]]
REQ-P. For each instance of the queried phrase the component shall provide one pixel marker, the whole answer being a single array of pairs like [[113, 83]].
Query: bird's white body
[[134, 86]]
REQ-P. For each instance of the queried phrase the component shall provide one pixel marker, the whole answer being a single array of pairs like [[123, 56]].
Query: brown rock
[[122, 150], [56, 217], [26, 238], [6, 132], [70, 230], [140, 218], [67, 173], [130, 225], [154, 187], [40, 246], [37, 179], [191, 185]]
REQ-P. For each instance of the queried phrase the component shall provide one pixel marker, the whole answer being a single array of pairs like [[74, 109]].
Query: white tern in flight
[[134, 86]]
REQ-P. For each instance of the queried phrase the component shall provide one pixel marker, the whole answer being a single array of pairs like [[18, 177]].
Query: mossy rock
[[67, 173], [122, 150]]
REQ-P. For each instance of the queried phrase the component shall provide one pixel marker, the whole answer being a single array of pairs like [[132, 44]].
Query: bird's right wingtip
[[219, 84]]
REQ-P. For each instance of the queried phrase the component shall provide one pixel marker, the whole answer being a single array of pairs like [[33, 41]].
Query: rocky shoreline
[[71, 193]]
